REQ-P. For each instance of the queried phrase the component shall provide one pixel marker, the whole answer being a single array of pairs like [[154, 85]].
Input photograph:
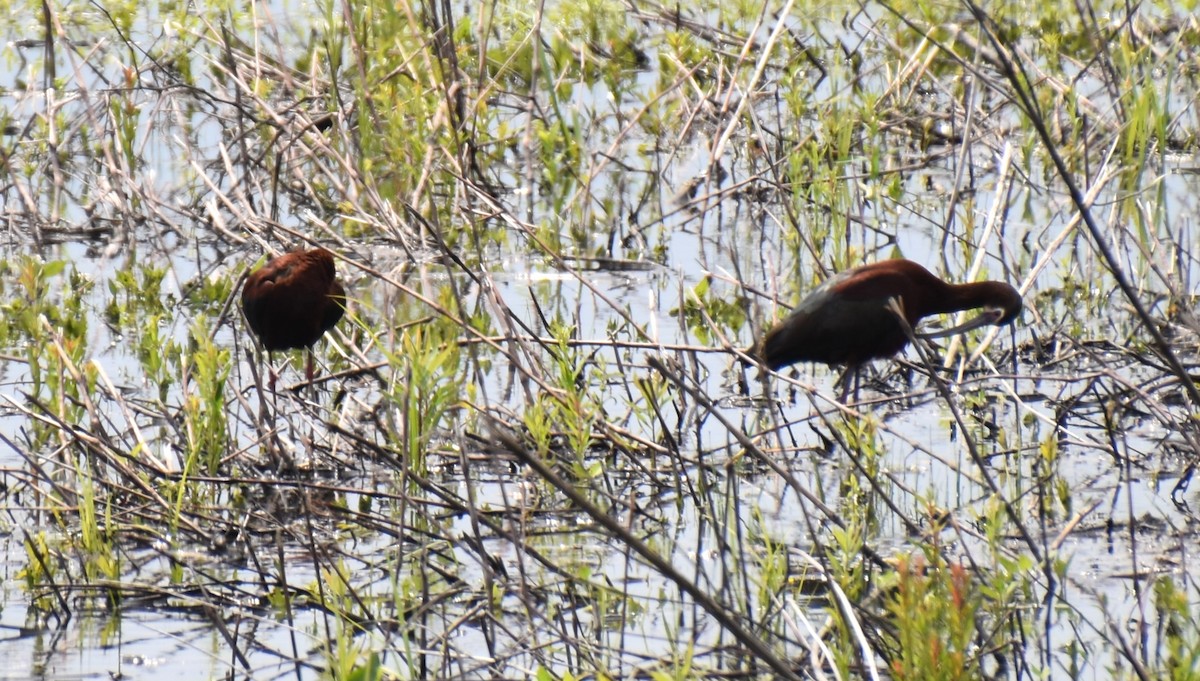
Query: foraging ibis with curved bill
[[292, 301], [851, 318]]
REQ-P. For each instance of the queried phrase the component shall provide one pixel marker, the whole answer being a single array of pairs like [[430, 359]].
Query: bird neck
[[958, 297]]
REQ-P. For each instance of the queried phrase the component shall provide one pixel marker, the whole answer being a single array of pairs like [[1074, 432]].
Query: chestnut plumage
[[849, 320], [293, 300]]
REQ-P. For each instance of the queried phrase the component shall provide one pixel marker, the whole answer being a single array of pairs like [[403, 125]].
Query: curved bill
[[982, 319]]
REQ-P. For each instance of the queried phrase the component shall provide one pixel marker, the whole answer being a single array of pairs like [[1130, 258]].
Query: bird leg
[[852, 373], [271, 375], [308, 372]]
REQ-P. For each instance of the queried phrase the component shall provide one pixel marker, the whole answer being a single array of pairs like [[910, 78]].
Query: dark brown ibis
[[292, 301], [850, 318]]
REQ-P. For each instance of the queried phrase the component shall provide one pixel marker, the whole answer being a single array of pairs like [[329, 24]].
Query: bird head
[[1004, 306]]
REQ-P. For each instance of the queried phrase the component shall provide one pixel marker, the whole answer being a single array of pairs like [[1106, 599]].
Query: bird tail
[[772, 350], [752, 356]]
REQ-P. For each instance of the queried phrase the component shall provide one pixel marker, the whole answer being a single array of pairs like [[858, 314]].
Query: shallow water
[[468, 565]]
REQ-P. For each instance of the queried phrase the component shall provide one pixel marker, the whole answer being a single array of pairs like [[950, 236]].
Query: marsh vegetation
[[531, 449]]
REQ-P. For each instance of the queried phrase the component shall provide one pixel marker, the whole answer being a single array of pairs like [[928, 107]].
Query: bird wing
[[845, 320]]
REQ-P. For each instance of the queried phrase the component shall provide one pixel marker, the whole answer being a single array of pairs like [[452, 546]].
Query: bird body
[[293, 300], [849, 319]]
